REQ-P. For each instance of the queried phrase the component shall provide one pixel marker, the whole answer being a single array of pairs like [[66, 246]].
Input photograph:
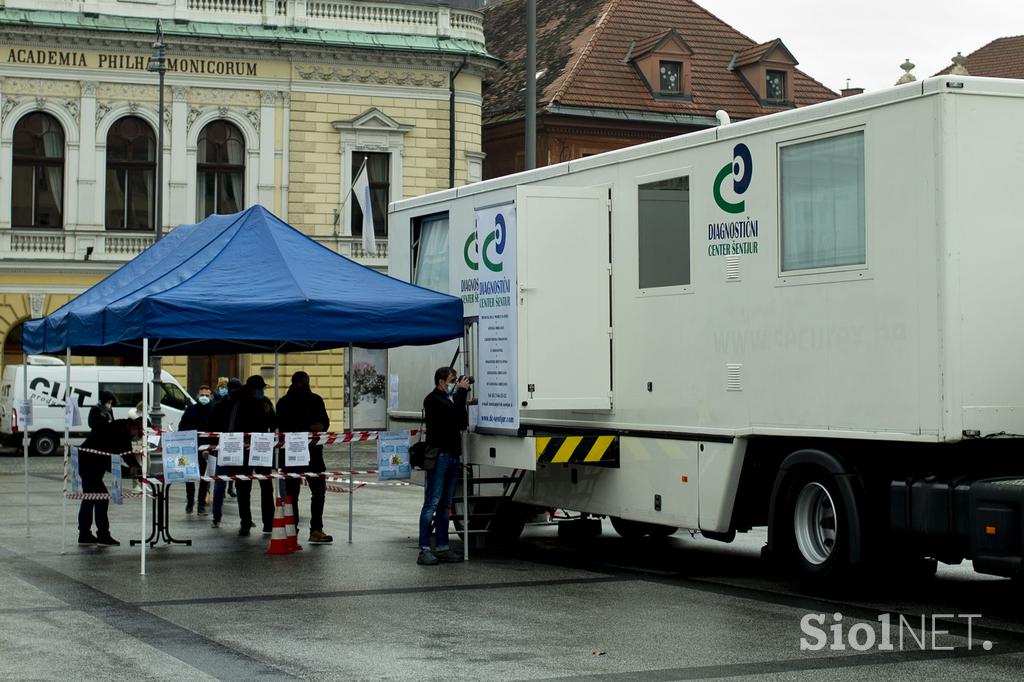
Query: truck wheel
[[44, 444], [638, 529], [817, 541]]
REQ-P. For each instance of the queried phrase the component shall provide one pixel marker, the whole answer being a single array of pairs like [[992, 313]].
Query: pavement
[[550, 608]]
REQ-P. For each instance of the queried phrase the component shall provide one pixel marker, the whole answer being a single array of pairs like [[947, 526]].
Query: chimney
[[850, 92]]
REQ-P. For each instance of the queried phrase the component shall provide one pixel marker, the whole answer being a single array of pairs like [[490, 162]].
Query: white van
[[46, 388]]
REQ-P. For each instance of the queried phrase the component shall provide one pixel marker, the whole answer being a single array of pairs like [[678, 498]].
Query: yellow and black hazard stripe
[[602, 450]]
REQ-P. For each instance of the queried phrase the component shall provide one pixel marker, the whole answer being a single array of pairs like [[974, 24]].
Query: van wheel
[[638, 529], [44, 444], [814, 524]]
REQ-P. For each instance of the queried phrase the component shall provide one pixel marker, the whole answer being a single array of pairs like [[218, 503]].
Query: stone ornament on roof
[[958, 66], [907, 77]]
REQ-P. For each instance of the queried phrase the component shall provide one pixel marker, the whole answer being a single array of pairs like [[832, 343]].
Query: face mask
[[204, 400], [222, 391], [451, 389]]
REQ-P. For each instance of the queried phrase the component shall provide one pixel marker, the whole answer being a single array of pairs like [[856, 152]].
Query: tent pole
[[348, 427], [145, 449], [67, 446], [24, 438], [282, 490]]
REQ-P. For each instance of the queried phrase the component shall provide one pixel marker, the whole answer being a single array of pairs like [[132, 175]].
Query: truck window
[[822, 200], [173, 397], [430, 253], [664, 233], [125, 394]]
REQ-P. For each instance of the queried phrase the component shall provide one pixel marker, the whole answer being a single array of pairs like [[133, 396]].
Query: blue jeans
[[219, 488], [437, 498]]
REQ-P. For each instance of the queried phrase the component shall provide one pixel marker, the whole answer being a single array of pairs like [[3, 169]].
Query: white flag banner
[[231, 449], [361, 192], [261, 449], [296, 449]]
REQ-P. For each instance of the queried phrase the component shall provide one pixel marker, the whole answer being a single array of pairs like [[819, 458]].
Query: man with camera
[[446, 418]]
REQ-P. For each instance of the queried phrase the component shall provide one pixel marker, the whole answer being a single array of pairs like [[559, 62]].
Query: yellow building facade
[[277, 103]]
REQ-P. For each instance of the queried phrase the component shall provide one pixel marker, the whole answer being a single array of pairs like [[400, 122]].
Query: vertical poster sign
[[116, 483], [24, 414], [393, 456], [181, 456], [231, 449], [261, 449], [296, 449], [76, 479], [369, 378], [496, 386]]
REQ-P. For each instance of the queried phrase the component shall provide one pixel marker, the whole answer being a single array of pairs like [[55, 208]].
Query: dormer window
[[671, 78], [663, 63], [767, 71], [775, 85]]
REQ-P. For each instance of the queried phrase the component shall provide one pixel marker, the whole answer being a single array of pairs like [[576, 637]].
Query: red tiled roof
[[645, 45], [1002, 58], [756, 53], [580, 49]]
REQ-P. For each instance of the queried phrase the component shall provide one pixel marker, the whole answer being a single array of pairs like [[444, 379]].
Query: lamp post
[[158, 64]]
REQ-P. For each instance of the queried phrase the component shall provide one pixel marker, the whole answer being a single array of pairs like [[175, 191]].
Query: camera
[[468, 378]]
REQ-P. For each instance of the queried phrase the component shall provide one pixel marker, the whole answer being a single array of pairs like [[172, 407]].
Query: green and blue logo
[[741, 168], [493, 247]]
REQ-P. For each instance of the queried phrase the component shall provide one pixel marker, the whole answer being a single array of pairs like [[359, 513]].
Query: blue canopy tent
[[246, 282]]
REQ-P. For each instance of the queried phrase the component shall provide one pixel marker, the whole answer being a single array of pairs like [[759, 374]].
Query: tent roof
[[246, 282]]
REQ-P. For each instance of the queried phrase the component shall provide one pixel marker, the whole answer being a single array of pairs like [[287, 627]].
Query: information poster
[[24, 414], [211, 464], [72, 414], [296, 449], [496, 385], [76, 478], [181, 456], [369, 378], [393, 456], [261, 449], [231, 449], [116, 482]]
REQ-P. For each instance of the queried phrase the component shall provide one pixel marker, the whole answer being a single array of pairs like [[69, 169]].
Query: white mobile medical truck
[[810, 321], [48, 391]]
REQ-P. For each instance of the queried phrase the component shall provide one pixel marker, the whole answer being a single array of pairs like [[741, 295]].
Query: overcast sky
[[867, 40]]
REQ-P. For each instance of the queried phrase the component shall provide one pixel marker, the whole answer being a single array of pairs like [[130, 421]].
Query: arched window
[[131, 175], [220, 169], [37, 182]]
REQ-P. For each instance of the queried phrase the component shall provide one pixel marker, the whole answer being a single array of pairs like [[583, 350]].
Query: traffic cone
[[289, 525], [279, 538]]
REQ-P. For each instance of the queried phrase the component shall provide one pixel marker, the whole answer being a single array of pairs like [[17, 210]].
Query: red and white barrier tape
[[330, 438], [101, 496]]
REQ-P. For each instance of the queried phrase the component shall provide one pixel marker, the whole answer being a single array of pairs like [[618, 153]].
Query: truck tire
[[638, 529], [44, 444], [815, 537]]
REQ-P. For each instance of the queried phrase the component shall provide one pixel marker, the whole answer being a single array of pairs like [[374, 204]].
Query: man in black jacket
[[446, 418], [302, 410], [244, 410], [114, 438], [197, 418]]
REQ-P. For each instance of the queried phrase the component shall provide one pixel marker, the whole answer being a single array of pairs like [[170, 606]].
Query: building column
[[179, 206], [265, 187], [90, 208]]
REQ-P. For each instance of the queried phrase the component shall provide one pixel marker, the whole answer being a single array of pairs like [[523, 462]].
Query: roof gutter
[[633, 115]]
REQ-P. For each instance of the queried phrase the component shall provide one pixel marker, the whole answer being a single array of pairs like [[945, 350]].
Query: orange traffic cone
[[279, 539], [289, 525]]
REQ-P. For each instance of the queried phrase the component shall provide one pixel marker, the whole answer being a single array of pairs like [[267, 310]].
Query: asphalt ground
[[601, 608]]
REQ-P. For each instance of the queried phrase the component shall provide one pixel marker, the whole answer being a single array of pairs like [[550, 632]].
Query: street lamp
[[158, 64]]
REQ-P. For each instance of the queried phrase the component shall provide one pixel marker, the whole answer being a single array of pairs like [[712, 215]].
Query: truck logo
[[741, 168], [469, 252], [499, 237]]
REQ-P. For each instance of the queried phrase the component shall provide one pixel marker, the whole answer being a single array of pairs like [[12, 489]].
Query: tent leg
[[24, 441], [282, 490], [67, 447], [348, 427], [146, 376]]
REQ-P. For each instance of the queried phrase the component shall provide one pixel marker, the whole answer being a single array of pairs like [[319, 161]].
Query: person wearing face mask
[[302, 410], [102, 413], [220, 390], [446, 418], [197, 417]]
